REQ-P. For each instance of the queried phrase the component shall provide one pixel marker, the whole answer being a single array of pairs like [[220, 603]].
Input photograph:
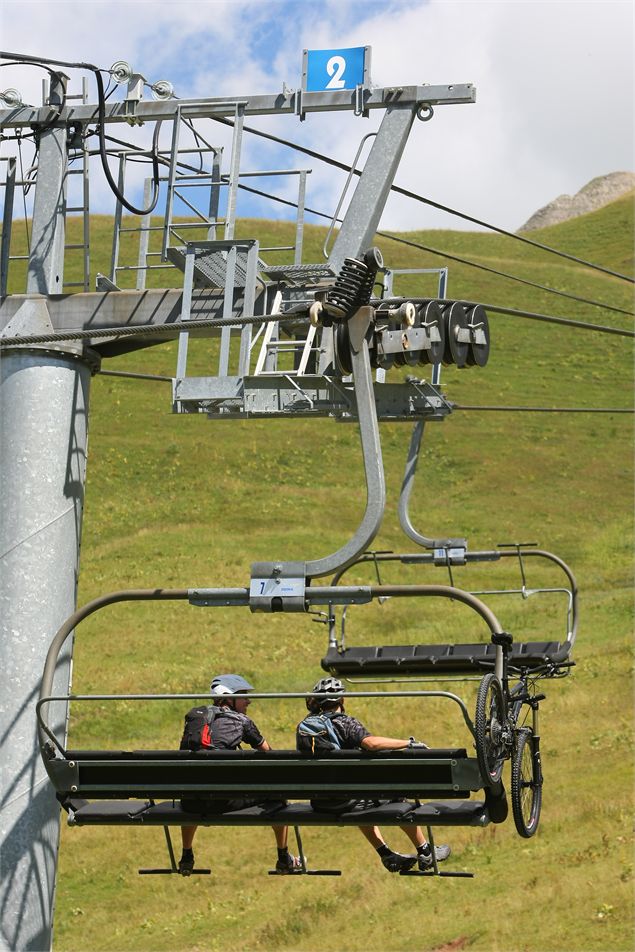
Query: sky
[[554, 88]]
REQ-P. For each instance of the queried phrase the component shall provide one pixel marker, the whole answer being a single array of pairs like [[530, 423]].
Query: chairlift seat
[[440, 659]]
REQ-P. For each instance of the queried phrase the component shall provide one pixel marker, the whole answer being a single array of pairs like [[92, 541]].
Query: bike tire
[[526, 785], [489, 724]]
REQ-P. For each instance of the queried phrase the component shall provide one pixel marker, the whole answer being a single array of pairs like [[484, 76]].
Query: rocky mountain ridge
[[598, 192]]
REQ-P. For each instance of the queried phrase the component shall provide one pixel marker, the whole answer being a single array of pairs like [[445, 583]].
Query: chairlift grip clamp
[[278, 587]]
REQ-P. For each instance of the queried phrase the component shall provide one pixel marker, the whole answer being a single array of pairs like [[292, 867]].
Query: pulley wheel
[[455, 351], [385, 361], [478, 353], [410, 356], [373, 259], [342, 348], [430, 314]]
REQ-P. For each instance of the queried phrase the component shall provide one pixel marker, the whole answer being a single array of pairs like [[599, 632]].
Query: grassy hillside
[[182, 501]]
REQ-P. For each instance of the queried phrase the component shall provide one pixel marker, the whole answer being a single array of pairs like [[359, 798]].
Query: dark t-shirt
[[229, 729], [350, 731]]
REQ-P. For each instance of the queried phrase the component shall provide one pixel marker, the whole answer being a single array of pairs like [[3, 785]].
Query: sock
[[283, 852], [383, 850], [424, 850], [187, 853]]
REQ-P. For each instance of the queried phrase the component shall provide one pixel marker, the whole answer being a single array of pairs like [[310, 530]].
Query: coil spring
[[345, 295], [374, 261], [366, 290]]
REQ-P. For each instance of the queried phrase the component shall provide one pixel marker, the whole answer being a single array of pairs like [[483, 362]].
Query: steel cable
[[444, 254], [428, 201], [405, 241], [147, 330], [503, 409], [101, 111]]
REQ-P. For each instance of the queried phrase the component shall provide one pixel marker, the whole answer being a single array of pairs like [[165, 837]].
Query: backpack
[[317, 734], [196, 732]]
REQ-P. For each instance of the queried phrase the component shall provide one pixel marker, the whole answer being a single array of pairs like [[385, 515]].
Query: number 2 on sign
[[335, 68]]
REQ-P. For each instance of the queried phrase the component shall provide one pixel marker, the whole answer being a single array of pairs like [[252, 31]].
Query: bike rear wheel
[[490, 726]]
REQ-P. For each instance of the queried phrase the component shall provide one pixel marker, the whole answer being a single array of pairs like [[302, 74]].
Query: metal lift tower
[[52, 342]]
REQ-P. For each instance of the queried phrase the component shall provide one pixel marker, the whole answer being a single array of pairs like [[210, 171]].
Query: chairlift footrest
[[431, 872], [306, 872], [175, 872]]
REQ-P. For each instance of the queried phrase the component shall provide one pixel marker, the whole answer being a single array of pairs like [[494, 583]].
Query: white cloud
[[554, 84]]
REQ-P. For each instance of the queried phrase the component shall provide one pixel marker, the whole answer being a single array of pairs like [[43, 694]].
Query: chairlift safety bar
[[230, 597], [253, 695]]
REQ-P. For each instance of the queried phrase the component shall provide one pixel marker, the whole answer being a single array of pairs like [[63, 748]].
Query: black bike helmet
[[332, 686]]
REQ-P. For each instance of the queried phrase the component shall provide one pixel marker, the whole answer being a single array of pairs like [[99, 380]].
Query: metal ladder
[[272, 347], [9, 185], [84, 208], [178, 180], [227, 264]]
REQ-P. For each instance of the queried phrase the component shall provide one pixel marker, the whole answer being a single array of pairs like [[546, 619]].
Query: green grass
[[182, 501]]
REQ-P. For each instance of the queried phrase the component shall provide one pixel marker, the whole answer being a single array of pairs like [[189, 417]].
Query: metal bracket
[[134, 95], [103, 283], [361, 92], [298, 105], [453, 552], [358, 325]]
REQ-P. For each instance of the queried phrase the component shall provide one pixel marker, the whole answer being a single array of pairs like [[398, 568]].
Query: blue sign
[[336, 69]]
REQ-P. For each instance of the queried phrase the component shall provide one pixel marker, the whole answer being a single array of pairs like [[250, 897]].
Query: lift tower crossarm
[[269, 105]]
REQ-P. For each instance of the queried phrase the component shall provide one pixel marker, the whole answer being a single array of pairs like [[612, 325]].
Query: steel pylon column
[[43, 442]]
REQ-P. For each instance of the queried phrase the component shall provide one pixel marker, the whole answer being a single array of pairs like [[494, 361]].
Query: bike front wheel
[[526, 783]]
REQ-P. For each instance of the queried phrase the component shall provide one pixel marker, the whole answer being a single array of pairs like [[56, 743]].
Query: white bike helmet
[[229, 684]]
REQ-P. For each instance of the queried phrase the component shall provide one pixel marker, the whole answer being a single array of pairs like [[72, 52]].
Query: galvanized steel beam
[[268, 105]]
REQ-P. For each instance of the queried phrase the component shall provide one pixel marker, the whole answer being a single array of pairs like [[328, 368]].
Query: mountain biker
[[352, 735], [230, 727]]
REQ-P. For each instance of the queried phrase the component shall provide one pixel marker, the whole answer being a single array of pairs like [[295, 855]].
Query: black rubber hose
[[38, 61]]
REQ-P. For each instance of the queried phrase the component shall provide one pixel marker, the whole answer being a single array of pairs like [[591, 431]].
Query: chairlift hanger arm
[[371, 452], [406, 490]]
